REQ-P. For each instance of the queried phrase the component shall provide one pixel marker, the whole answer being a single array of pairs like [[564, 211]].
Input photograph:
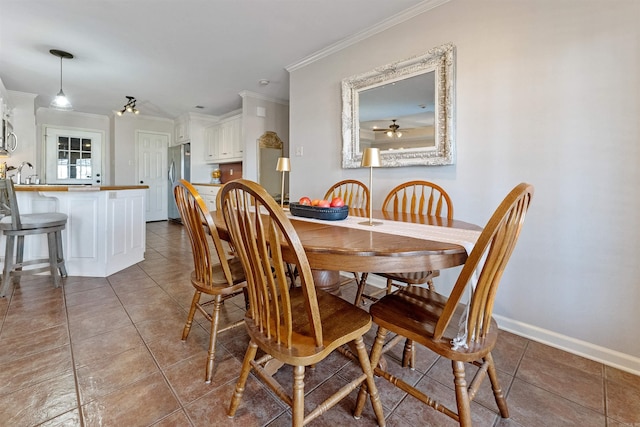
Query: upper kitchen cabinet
[[182, 129], [224, 141]]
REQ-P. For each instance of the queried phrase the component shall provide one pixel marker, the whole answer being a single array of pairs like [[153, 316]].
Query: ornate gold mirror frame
[[437, 66]]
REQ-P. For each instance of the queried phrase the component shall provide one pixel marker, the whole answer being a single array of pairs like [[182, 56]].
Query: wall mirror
[[269, 149], [406, 109]]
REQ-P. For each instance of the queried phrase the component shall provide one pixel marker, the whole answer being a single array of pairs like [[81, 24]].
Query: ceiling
[[174, 55]]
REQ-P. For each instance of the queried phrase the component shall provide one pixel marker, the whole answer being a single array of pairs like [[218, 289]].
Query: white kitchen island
[[106, 229]]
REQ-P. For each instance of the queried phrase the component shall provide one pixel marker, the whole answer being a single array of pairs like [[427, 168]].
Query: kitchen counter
[[207, 185], [105, 232], [63, 187]]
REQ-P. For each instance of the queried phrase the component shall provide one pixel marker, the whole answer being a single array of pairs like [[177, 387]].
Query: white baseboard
[[604, 355]]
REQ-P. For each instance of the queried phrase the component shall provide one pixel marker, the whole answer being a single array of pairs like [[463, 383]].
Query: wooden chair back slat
[[490, 255], [354, 193], [206, 245], [420, 198], [9, 203], [260, 229]]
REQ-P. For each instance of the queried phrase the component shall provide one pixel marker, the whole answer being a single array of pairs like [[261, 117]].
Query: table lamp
[[283, 166], [371, 159]]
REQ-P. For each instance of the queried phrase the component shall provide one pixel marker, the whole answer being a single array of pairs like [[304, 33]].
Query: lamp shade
[[371, 158], [283, 164]]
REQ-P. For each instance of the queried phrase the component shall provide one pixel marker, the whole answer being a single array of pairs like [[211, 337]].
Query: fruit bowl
[[328, 214]]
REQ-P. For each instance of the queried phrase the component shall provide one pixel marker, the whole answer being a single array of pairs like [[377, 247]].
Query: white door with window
[[152, 171], [73, 156]]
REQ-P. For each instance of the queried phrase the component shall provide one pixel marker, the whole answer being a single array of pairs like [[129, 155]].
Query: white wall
[[275, 119], [124, 143], [548, 93], [73, 119]]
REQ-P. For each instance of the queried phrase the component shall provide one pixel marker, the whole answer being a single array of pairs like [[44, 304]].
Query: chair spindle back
[[202, 233], [354, 193], [419, 197], [490, 255], [259, 229]]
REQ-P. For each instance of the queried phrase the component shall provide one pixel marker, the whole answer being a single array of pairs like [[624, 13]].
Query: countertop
[[207, 184], [62, 187]]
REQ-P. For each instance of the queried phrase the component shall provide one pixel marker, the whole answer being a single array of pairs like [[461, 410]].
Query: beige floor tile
[[257, 408], [103, 376], [19, 346], [35, 368], [187, 377], [583, 386], [39, 402], [141, 403], [533, 406]]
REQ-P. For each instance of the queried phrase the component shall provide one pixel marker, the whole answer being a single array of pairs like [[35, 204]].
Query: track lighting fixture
[[130, 106]]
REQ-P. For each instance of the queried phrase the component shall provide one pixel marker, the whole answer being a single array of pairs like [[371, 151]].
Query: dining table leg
[[327, 280]]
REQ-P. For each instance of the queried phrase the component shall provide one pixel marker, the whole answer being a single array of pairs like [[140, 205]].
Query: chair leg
[[297, 408], [361, 284], [389, 286], [60, 261], [370, 383], [8, 264], [192, 312], [53, 258], [376, 354], [215, 320], [495, 385], [245, 293], [409, 354], [462, 395], [249, 356], [19, 258]]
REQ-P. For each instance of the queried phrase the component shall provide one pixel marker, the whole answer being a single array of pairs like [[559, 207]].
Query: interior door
[[152, 167], [73, 156]]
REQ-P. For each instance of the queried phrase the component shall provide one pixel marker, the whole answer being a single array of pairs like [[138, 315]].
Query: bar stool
[[13, 225]]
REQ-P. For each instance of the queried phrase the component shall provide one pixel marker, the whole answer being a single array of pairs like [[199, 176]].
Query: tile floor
[[107, 352]]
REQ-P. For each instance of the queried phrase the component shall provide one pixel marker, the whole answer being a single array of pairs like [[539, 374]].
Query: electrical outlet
[[299, 151]]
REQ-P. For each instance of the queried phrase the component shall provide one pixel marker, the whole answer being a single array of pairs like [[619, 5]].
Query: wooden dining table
[[331, 249]]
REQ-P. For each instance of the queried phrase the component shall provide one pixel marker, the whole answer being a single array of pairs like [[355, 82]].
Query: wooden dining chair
[[411, 198], [214, 273], [414, 198], [298, 326], [354, 193], [437, 322]]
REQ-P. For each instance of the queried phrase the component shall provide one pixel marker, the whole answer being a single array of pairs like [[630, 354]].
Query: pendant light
[[60, 102]]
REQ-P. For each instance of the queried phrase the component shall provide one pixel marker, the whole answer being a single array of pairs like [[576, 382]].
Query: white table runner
[[458, 236]]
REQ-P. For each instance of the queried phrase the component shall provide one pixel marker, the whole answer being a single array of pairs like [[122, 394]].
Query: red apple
[[305, 201], [324, 203], [337, 202]]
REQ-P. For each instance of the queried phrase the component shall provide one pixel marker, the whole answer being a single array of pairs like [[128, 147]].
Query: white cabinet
[[212, 139], [182, 129], [224, 141], [208, 194], [105, 232]]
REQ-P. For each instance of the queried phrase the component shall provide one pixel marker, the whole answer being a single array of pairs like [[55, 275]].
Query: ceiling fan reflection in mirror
[[393, 130]]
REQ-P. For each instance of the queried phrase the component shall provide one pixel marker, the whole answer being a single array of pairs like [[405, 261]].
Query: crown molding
[[392, 21], [248, 93]]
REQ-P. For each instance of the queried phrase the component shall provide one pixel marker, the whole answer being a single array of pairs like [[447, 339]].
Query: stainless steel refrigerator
[[179, 160]]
